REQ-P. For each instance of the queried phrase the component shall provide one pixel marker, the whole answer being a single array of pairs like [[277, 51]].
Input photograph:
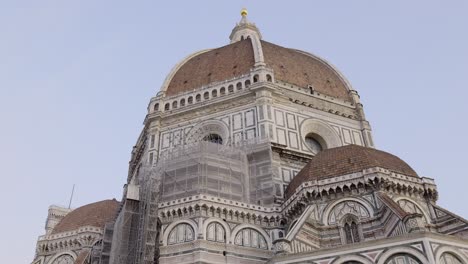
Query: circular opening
[[213, 138], [314, 142]]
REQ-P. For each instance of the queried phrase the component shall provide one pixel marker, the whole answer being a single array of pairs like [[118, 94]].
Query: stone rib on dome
[[301, 69], [234, 60], [346, 160], [94, 214], [216, 65]]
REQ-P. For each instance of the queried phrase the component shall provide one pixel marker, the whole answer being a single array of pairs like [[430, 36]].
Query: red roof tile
[[345, 160], [236, 59], [95, 214]]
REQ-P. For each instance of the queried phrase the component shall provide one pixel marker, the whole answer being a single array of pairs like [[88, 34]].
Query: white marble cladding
[[221, 201], [241, 125], [306, 91], [71, 233], [359, 177], [208, 93], [288, 123]]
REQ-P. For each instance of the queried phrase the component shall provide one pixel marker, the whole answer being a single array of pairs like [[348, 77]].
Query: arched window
[[198, 98], [402, 259], [166, 107], [174, 105], [215, 232], [255, 78], [314, 142], [247, 83], [156, 107], [448, 258], [351, 232], [231, 88], [213, 138], [239, 86], [206, 95], [352, 262], [190, 100], [222, 91], [182, 102], [181, 233], [64, 259], [249, 237], [268, 77], [214, 93]]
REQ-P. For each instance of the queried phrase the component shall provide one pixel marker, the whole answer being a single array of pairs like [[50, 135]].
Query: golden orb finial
[[244, 12]]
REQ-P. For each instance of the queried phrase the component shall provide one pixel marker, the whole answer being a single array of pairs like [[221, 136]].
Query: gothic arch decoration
[[321, 132], [238, 230], [449, 258], [444, 254], [249, 237], [348, 206], [181, 233], [67, 257], [352, 259], [410, 206], [391, 255], [216, 225], [208, 129], [172, 226], [402, 259]]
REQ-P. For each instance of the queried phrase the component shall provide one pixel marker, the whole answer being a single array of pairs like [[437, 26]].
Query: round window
[[213, 138], [313, 143]]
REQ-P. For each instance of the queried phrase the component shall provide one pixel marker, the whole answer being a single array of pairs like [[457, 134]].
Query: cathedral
[[256, 153]]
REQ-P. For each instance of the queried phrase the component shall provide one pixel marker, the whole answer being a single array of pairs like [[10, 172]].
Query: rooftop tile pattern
[[216, 65], [82, 257], [94, 214], [294, 67], [237, 59], [346, 160]]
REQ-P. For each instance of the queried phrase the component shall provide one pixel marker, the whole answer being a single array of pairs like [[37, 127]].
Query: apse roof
[[94, 214], [346, 160]]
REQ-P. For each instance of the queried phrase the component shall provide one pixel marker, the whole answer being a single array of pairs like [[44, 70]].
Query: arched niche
[[335, 211], [65, 254], [169, 228], [352, 259], [239, 228], [321, 132], [207, 128], [410, 206], [439, 254], [390, 254], [209, 221]]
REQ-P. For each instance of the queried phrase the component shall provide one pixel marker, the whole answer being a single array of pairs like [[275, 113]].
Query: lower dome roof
[[94, 214], [346, 160]]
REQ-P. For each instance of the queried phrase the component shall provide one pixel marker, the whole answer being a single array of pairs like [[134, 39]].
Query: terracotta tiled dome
[[237, 59], [94, 214], [345, 160]]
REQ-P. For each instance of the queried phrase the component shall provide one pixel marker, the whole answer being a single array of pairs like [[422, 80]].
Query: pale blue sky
[[76, 77]]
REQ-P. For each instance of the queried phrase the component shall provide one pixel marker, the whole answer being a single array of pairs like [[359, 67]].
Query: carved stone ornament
[[282, 246], [414, 223]]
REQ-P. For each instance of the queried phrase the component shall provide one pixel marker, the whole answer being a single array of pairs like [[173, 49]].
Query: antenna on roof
[[71, 196]]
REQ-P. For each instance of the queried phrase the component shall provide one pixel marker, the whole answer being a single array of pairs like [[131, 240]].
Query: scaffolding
[[240, 172]]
